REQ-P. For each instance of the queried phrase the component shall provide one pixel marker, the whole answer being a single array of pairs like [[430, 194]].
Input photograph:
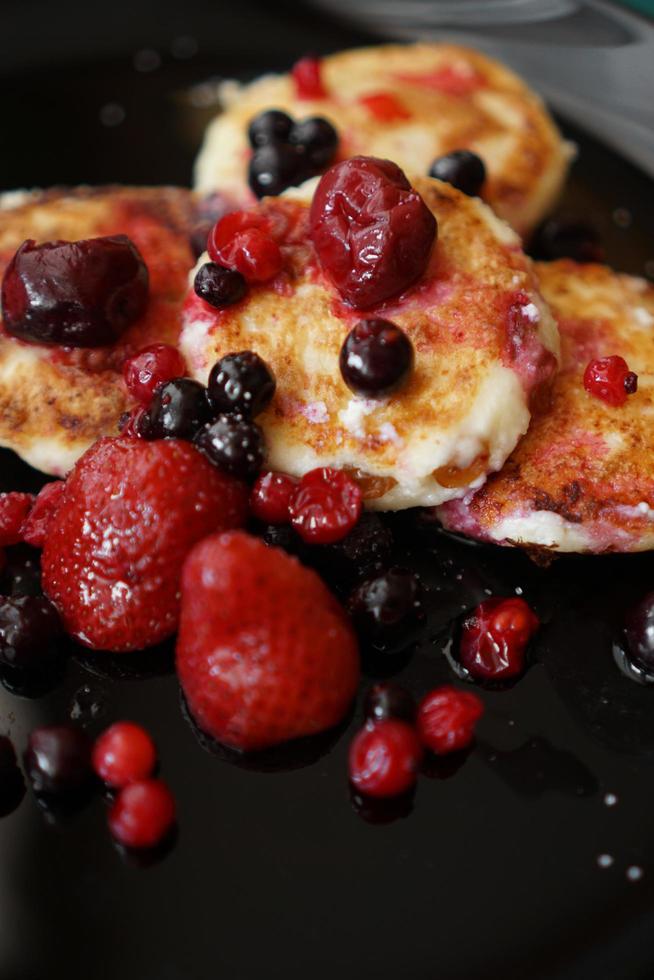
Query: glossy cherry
[[58, 759], [494, 638], [29, 630], [384, 758]]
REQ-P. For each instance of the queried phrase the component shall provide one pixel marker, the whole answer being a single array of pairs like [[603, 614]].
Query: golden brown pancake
[[582, 479], [55, 401], [484, 343], [444, 98]]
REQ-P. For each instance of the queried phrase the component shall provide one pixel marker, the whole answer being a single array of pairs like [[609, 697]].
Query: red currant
[[372, 232], [150, 367], [306, 75], [143, 814], [271, 497], [130, 423], [384, 106], [384, 758], [447, 718], [124, 753], [35, 528], [325, 506], [610, 379], [243, 241], [494, 638], [14, 508]]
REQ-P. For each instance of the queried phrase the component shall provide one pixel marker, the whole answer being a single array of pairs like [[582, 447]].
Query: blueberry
[[318, 139], [58, 759], [269, 127], [376, 357], [386, 602], [233, 444], [219, 286], [179, 408], [29, 629], [241, 383], [388, 700], [639, 633], [462, 169], [274, 168]]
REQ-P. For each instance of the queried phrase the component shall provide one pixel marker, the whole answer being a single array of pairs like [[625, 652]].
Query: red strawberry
[[129, 514], [265, 653]]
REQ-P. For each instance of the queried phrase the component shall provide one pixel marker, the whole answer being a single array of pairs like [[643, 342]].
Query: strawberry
[[265, 653], [129, 513]]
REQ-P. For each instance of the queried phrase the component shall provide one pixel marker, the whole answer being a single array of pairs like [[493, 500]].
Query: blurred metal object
[[592, 60]]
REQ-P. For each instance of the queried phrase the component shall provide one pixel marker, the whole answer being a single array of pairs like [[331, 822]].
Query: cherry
[[37, 522], [124, 753], [376, 357], [494, 638], [14, 508], [610, 380], [144, 371], [306, 74], [384, 758], [372, 232], [447, 718], [81, 294], [58, 759], [325, 506], [243, 241], [271, 497], [143, 814], [462, 169], [388, 700]]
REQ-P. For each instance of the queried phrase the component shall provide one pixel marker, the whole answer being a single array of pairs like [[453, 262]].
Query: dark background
[[494, 871]]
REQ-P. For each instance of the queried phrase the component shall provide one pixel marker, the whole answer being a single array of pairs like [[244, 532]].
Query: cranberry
[[384, 106], [218, 286], [317, 138], [384, 758], [143, 814], [124, 753], [242, 241], [386, 602], [325, 506], [610, 380], [494, 638], [306, 74], [275, 167], [447, 718], [12, 784], [14, 508], [241, 383], [81, 294], [270, 126], [376, 357], [29, 629], [233, 444], [178, 410], [150, 367], [567, 239], [639, 633], [58, 759], [462, 169], [373, 233], [388, 700], [271, 497], [37, 522]]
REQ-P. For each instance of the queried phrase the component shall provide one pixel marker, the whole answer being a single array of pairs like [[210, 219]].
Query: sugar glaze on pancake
[[446, 98], [55, 401], [582, 479], [485, 346]]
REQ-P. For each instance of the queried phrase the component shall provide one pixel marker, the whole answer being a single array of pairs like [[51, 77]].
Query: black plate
[[494, 872]]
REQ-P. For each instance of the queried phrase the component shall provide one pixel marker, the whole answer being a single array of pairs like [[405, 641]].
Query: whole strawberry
[[129, 514], [265, 653]]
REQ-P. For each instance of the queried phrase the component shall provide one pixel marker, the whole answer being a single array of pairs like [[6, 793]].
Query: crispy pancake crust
[[484, 342], [451, 97], [54, 401], [582, 479]]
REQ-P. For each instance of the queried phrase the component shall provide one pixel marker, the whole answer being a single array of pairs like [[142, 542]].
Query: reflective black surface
[[492, 869]]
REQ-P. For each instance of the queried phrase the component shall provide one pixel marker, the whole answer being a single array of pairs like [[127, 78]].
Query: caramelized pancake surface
[[485, 345], [582, 479], [444, 98], [55, 401]]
